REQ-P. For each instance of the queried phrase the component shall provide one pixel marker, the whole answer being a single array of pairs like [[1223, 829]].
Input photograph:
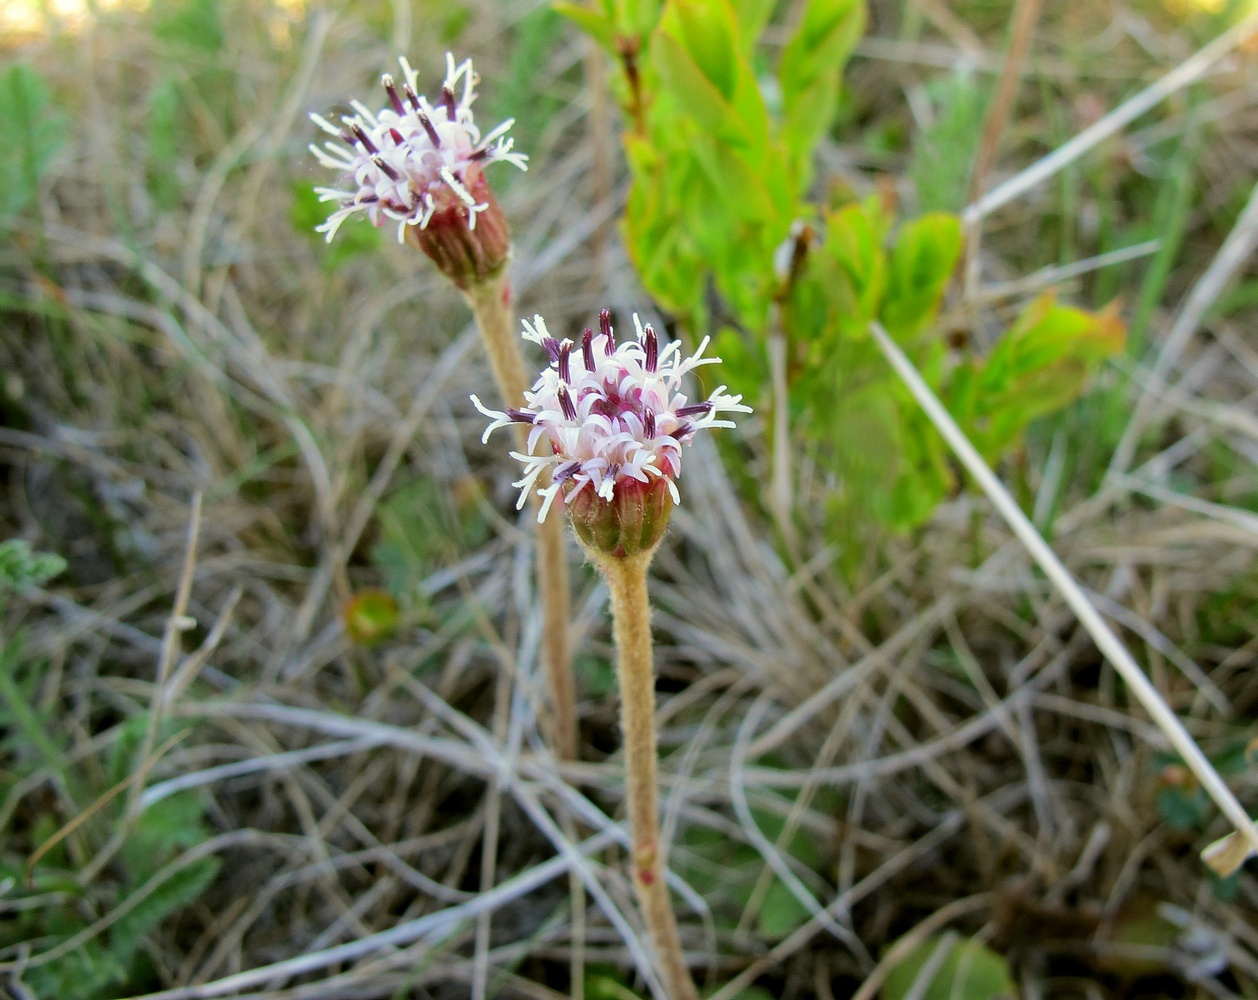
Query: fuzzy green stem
[[491, 305], [635, 671]]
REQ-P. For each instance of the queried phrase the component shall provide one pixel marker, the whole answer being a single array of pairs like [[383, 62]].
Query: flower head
[[614, 418], [421, 164]]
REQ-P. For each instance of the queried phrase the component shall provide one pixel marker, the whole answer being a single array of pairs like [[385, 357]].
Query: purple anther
[[605, 326], [411, 96], [681, 430], [565, 403], [648, 423], [587, 349], [478, 154], [391, 89], [565, 472], [551, 346], [379, 161], [425, 121], [447, 101], [396, 136], [652, 344], [565, 364], [521, 416], [362, 137], [694, 409]]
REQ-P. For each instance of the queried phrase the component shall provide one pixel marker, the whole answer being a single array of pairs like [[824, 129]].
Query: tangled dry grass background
[[226, 437]]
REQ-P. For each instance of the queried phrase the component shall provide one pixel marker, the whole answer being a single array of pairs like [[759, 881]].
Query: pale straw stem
[[1109, 643], [490, 302], [1186, 73], [635, 671]]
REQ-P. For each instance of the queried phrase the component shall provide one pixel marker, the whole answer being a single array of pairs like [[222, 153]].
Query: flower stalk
[[421, 163], [490, 301], [612, 419], [626, 578]]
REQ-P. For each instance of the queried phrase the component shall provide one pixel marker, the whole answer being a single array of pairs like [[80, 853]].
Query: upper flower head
[[413, 159], [615, 420]]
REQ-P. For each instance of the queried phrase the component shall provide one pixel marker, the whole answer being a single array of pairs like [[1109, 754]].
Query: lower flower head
[[613, 419]]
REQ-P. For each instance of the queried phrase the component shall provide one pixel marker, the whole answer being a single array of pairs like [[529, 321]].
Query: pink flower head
[[614, 416], [413, 159]]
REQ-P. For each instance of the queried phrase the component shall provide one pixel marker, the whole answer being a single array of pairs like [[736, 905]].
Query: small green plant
[[81, 923], [721, 161]]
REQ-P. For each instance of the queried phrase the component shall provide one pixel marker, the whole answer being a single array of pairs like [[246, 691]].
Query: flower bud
[[468, 249], [632, 521]]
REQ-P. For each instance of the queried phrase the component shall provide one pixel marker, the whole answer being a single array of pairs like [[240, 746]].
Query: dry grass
[[936, 728]]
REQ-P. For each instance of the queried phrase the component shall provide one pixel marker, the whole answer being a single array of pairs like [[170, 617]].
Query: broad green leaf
[[925, 253], [810, 73], [697, 52], [854, 236], [963, 970], [595, 23], [752, 16], [1038, 367], [636, 18]]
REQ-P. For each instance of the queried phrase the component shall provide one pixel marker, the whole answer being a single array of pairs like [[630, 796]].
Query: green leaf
[[34, 133], [184, 887], [810, 72], [962, 970], [597, 24], [357, 237], [943, 153], [697, 52], [193, 24], [854, 236], [1038, 367], [781, 912], [925, 253], [752, 16]]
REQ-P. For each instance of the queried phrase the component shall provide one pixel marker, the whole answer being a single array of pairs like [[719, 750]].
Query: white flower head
[[610, 416], [413, 158]]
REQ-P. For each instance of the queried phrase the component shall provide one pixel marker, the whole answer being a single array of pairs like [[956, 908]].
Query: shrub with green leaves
[[720, 143]]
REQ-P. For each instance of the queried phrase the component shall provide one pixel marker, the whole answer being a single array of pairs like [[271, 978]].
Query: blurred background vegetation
[[267, 636]]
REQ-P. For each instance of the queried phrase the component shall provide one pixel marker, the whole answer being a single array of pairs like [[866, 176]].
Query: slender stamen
[[379, 161], [521, 416], [411, 96], [694, 409], [565, 365], [587, 349], [447, 101], [551, 346], [681, 430], [605, 326], [565, 403], [565, 471], [425, 121], [362, 137], [652, 344], [391, 89], [648, 423]]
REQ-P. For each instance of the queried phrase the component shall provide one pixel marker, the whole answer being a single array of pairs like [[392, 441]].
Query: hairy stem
[[491, 305], [635, 670]]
